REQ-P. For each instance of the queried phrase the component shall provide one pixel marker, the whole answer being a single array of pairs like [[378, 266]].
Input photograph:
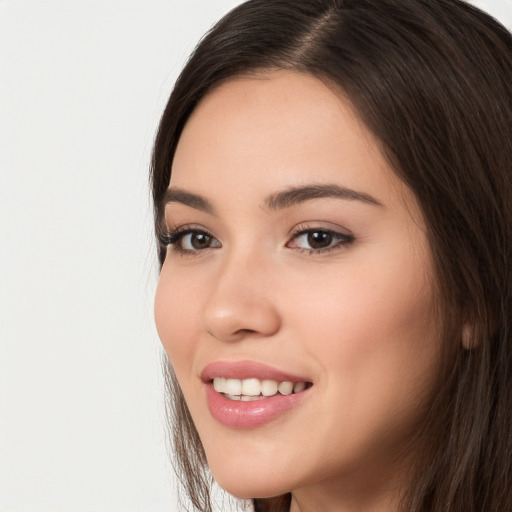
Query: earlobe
[[468, 338]]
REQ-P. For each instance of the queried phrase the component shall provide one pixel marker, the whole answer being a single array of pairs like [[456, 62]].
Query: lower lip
[[238, 414]]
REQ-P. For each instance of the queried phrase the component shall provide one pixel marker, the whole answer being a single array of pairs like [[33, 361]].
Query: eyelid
[[320, 226], [343, 236], [174, 230], [174, 235]]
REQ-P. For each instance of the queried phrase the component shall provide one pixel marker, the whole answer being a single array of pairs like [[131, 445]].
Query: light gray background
[[82, 86]]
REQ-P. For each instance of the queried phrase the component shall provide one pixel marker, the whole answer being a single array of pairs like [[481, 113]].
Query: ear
[[467, 336]]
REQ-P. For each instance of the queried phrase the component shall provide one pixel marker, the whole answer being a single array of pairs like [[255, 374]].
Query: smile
[[248, 394], [253, 389]]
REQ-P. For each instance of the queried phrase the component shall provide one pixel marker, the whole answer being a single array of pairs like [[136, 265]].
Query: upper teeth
[[255, 387]]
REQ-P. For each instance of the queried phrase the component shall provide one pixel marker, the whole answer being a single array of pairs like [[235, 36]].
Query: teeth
[[269, 387], [219, 383], [233, 387], [245, 398], [285, 388], [251, 387], [299, 386], [254, 389]]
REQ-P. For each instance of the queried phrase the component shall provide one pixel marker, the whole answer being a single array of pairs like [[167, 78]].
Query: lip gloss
[[240, 414], [254, 413]]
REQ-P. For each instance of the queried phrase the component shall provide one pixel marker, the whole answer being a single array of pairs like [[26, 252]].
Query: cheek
[[375, 336], [176, 319], [362, 304]]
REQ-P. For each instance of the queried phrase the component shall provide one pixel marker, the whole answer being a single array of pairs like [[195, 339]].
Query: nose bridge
[[240, 301]]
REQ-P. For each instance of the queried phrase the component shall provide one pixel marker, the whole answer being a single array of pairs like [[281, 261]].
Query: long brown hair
[[432, 79]]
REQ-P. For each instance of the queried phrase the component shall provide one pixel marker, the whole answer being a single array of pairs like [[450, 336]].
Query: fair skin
[[335, 289]]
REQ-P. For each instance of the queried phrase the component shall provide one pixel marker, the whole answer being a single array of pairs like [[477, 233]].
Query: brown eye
[[319, 239], [200, 240], [193, 241]]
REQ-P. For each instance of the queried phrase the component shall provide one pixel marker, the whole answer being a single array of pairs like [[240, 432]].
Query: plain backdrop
[[82, 87]]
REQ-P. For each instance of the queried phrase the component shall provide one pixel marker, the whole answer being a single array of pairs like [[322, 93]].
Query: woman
[[332, 194]]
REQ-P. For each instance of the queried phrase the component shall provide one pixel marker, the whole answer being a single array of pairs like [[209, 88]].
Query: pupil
[[319, 239], [200, 241]]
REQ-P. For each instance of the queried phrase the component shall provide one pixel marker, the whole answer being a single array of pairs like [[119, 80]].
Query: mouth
[[248, 394], [253, 389]]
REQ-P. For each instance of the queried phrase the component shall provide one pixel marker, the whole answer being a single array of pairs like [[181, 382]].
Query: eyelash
[[343, 239], [173, 238]]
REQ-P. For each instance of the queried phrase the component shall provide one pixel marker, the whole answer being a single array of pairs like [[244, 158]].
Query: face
[[296, 257]]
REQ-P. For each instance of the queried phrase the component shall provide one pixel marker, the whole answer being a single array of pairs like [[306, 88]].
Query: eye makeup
[[190, 240]]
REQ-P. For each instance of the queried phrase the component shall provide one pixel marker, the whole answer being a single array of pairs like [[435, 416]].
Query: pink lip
[[239, 414]]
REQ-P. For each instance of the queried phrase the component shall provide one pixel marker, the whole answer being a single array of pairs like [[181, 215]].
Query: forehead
[[276, 130]]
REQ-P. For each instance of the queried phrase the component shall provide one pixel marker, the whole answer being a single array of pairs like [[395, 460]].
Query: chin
[[251, 490], [244, 480]]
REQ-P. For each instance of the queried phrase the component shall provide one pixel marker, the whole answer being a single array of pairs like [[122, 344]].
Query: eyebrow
[[297, 195], [278, 201], [196, 201]]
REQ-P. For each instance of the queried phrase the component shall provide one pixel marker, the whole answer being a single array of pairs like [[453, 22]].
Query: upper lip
[[247, 370]]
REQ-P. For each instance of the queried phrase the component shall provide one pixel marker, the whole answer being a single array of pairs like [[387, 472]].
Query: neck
[[327, 503], [374, 490]]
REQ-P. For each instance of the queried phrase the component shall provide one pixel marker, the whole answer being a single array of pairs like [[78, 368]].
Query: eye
[[188, 240], [319, 240], [196, 240]]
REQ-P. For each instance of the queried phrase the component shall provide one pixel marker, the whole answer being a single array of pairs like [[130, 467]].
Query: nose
[[241, 301]]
